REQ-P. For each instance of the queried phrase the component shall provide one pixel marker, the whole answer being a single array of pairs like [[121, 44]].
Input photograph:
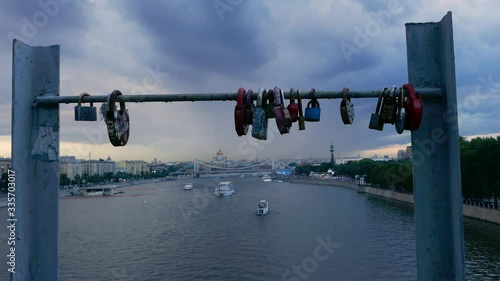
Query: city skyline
[[357, 44]]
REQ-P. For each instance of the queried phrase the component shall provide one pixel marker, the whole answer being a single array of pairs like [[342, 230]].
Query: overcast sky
[[196, 46]]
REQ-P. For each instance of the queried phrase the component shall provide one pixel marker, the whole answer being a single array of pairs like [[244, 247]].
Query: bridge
[[198, 167]]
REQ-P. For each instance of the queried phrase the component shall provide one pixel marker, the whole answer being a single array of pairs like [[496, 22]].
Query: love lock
[[259, 124], [376, 120], [293, 107], [117, 121], [249, 107], [313, 111], [85, 113], [281, 115], [346, 108], [239, 114], [302, 123], [389, 107], [413, 107], [401, 116]]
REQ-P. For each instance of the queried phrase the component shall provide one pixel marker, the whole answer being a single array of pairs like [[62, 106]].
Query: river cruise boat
[[225, 188], [266, 178], [188, 186], [96, 191], [263, 208]]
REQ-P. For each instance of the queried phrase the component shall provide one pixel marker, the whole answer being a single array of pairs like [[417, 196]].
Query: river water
[[158, 231]]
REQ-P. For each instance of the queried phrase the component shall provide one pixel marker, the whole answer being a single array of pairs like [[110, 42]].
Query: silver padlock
[[85, 113]]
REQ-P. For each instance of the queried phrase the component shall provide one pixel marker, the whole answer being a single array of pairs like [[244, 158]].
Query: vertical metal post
[[436, 154], [35, 160]]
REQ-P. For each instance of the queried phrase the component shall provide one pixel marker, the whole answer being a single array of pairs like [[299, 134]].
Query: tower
[[332, 159]]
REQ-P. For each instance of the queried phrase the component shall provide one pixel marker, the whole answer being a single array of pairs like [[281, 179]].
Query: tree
[[64, 180]]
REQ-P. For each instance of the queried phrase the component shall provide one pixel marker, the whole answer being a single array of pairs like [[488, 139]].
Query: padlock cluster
[[117, 120], [271, 105], [405, 113]]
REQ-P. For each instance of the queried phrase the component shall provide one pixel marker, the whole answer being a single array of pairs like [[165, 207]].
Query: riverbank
[[474, 212], [67, 192]]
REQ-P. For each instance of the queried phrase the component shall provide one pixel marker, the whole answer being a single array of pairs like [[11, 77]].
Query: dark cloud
[[36, 21], [193, 35]]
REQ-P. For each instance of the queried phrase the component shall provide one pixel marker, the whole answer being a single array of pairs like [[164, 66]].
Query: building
[[70, 166], [401, 154], [408, 152], [98, 167], [5, 165], [219, 157], [134, 167]]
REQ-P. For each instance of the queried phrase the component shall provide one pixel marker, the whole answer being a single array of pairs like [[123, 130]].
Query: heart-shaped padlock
[[259, 124], [117, 121], [401, 114], [413, 106], [239, 114], [376, 120], [293, 108], [346, 108]]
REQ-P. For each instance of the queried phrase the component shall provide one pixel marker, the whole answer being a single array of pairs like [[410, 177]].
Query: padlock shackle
[[112, 100], [292, 98], [80, 99], [402, 98], [282, 98], [261, 101], [240, 97], [377, 110], [392, 93], [248, 98], [277, 96], [299, 101], [345, 91]]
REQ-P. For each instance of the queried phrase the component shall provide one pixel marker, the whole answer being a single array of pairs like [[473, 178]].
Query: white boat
[[266, 179], [188, 186], [263, 208], [225, 188], [96, 191]]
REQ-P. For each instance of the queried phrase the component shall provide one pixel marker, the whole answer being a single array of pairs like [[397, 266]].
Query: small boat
[[225, 188], [188, 186], [263, 208], [266, 179], [96, 191]]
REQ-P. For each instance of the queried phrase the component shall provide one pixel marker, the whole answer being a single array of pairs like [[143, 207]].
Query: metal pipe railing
[[425, 93]]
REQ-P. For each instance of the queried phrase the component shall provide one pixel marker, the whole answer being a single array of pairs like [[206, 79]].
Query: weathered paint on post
[[35, 160], [436, 154]]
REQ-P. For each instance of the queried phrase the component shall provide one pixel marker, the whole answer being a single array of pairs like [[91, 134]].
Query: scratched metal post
[[35, 159], [437, 179]]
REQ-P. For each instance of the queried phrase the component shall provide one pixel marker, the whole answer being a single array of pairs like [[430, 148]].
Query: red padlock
[[413, 108], [293, 108], [239, 113]]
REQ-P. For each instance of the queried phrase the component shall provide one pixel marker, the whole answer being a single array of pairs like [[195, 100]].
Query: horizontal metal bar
[[423, 92]]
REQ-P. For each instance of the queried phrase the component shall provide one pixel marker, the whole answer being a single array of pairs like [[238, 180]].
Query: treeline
[[480, 166], [480, 162], [396, 174]]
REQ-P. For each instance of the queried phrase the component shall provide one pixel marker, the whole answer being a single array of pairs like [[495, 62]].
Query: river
[[158, 231]]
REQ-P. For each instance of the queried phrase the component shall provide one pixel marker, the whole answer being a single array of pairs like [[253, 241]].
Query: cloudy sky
[[197, 46]]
